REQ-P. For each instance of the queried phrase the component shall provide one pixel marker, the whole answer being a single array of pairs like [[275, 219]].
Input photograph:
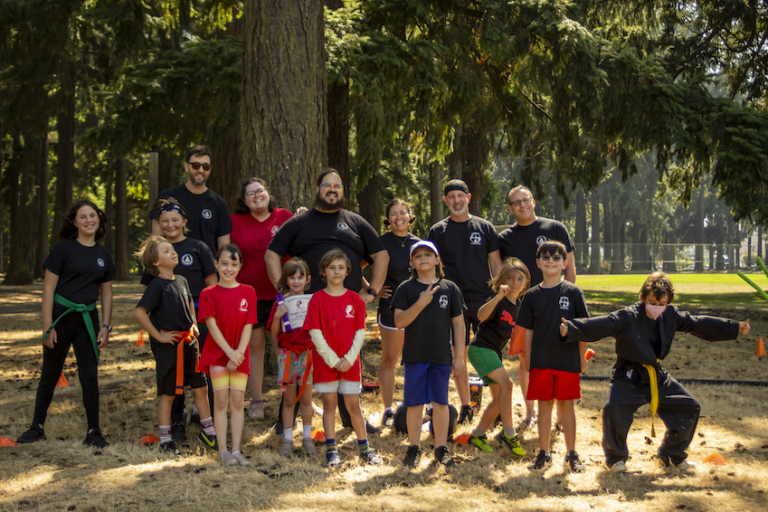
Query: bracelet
[[230, 351]]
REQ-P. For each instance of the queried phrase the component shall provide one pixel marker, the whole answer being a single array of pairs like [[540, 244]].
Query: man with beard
[[207, 212]]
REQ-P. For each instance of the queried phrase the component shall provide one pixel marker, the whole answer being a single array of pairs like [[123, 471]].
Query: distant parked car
[[690, 267]]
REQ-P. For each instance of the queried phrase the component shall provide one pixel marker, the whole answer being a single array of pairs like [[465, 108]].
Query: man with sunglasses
[[207, 212]]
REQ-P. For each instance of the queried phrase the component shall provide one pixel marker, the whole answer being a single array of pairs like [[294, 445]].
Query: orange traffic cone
[[140, 341], [376, 333], [62, 381], [716, 460], [149, 439], [462, 439], [318, 436], [760, 348], [589, 354], [4, 441]]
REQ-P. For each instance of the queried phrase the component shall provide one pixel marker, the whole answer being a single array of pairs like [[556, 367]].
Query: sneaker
[[34, 434], [178, 432], [683, 465], [543, 459], [94, 438], [444, 457], [573, 462], [308, 446], [511, 444], [169, 447], [480, 442], [227, 459], [388, 419], [256, 410], [369, 456], [370, 429], [332, 458], [619, 467], [240, 458], [209, 441], [287, 449], [194, 418], [467, 415], [686, 465], [412, 456]]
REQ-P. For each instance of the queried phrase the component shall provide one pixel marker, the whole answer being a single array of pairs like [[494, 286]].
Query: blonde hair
[[292, 266], [509, 266], [148, 253]]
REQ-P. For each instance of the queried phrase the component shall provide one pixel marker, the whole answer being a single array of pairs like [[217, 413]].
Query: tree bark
[[476, 151], [109, 209], [65, 169], [698, 232], [581, 228], [121, 221], [41, 187], [21, 181], [607, 231], [435, 192], [595, 261], [226, 178], [283, 112], [617, 261], [368, 198], [668, 251], [338, 129]]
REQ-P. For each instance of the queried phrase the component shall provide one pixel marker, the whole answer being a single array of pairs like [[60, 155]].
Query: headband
[[172, 207]]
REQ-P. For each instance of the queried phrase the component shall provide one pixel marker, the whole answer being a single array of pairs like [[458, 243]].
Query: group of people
[[217, 284]]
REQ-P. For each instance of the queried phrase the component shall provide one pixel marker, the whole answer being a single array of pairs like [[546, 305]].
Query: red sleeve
[[252, 317], [206, 304], [271, 316], [313, 320], [360, 320]]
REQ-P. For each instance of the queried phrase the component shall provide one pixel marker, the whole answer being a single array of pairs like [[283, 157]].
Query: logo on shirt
[[187, 260], [443, 301], [244, 305], [350, 311], [207, 214], [507, 318], [475, 238], [100, 262], [564, 303], [274, 230], [342, 226], [541, 239]]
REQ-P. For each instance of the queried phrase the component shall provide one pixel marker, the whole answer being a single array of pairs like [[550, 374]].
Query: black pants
[[70, 331], [677, 409], [177, 408]]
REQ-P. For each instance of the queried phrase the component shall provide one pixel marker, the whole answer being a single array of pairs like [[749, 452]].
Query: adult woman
[[254, 224], [397, 242], [77, 271]]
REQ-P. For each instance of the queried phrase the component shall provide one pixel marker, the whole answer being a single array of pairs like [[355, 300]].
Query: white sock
[[288, 434], [307, 431], [387, 409]]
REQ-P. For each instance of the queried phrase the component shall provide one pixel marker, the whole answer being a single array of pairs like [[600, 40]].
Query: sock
[[307, 431], [387, 409], [478, 432], [207, 424], [362, 445], [288, 434], [236, 451], [165, 434], [509, 431], [330, 445]]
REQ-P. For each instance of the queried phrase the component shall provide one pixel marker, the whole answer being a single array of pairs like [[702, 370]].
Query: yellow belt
[[654, 394]]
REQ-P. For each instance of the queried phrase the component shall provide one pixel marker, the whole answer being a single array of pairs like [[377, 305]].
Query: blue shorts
[[425, 383]]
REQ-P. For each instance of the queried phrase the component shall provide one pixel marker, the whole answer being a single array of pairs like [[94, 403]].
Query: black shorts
[[385, 315], [471, 321], [263, 309], [165, 364]]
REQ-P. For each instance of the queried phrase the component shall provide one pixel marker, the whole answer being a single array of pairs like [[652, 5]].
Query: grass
[[61, 474]]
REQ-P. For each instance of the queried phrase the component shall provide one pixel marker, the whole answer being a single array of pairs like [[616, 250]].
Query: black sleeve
[[594, 329], [55, 259], [151, 298], [146, 278], [580, 308], [457, 302], [708, 328], [400, 298], [206, 259], [225, 221], [525, 317], [109, 272], [283, 239], [370, 237], [493, 238]]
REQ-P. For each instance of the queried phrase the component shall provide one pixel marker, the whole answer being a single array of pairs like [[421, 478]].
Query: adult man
[[467, 245], [329, 226], [207, 212]]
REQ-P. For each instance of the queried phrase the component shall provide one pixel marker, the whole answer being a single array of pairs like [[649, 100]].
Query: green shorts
[[485, 360]]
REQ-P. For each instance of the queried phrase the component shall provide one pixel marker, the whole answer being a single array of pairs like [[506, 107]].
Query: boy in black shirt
[[554, 368]]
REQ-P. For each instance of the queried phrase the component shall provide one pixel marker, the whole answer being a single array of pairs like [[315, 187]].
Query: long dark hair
[[68, 228], [240, 207]]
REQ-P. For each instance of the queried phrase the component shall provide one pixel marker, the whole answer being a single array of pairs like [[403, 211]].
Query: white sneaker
[[619, 467]]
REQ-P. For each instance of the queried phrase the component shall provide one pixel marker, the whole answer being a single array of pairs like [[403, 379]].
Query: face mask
[[655, 311]]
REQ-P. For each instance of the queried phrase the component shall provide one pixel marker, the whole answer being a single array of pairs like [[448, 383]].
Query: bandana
[[172, 207]]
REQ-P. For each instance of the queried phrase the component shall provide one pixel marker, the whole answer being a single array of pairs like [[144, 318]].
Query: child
[[336, 323], [429, 307], [229, 310], [172, 330], [644, 333], [554, 368], [497, 319], [294, 363]]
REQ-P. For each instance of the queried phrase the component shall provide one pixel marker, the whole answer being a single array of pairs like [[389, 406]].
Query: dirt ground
[[62, 474]]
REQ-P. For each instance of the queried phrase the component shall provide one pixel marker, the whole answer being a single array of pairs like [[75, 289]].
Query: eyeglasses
[[547, 257], [332, 186], [520, 202], [252, 193], [197, 165]]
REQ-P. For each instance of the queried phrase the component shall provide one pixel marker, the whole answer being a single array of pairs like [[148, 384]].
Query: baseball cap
[[424, 243]]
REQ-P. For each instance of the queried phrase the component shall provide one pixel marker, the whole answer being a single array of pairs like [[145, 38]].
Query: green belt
[[83, 310]]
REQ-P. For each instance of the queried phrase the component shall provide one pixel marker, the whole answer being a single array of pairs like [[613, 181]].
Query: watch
[[371, 291], [109, 327]]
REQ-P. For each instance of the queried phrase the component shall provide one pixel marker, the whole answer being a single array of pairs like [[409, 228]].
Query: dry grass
[[61, 474]]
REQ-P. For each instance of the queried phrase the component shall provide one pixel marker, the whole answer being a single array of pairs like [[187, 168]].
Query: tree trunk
[[165, 171], [338, 129], [558, 207], [595, 261], [617, 262], [477, 150], [698, 232], [760, 242], [607, 231], [581, 228], [65, 149], [435, 192], [368, 198], [21, 185], [636, 246], [109, 209], [668, 252], [283, 112], [121, 221], [226, 178], [41, 187]]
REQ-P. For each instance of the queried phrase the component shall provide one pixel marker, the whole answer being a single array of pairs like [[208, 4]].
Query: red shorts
[[546, 384]]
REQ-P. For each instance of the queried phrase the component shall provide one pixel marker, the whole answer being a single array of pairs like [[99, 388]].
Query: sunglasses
[[197, 165], [547, 257]]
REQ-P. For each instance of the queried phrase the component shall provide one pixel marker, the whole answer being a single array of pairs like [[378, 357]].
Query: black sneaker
[[388, 419], [444, 457], [370, 428], [543, 459], [573, 462], [194, 419], [412, 456], [34, 434], [178, 432], [169, 447], [467, 415], [209, 441], [94, 438]]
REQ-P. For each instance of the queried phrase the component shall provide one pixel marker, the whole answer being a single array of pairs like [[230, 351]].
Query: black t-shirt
[[313, 233], [81, 270], [399, 268], [167, 302], [207, 214], [195, 264], [522, 242], [541, 311], [428, 339], [464, 249], [494, 332]]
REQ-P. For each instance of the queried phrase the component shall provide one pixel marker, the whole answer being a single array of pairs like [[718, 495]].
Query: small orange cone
[[716, 460], [149, 439], [4, 441], [760, 348], [62, 381], [462, 439], [140, 341], [318, 436], [376, 333], [589, 354]]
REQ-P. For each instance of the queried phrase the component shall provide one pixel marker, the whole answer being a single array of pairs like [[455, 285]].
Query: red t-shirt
[[286, 340], [339, 318], [253, 238], [233, 309]]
